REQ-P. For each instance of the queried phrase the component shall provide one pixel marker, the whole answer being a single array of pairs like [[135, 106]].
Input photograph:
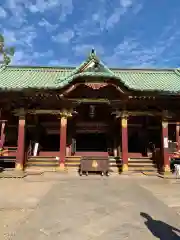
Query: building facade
[[88, 110]]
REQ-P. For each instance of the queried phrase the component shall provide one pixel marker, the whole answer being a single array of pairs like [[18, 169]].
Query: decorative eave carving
[[96, 86], [19, 112], [92, 85], [64, 113], [120, 114]]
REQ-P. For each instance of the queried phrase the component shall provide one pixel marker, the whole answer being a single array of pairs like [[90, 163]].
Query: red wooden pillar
[[177, 136], [63, 139], [165, 151], [20, 155], [124, 135]]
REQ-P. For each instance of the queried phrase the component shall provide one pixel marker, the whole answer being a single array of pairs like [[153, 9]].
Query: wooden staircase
[[72, 163], [43, 163], [145, 165], [48, 163]]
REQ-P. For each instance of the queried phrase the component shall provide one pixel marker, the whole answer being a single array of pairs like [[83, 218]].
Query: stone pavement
[[166, 191], [52, 207]]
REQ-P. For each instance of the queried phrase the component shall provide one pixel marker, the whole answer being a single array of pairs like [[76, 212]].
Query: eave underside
[[53, 100]]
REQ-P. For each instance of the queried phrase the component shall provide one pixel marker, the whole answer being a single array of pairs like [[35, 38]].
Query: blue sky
[[125, 33]]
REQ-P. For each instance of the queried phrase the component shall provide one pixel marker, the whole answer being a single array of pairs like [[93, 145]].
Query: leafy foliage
[[6, 53]]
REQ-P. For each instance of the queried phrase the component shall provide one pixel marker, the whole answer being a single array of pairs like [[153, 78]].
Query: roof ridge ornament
[[92, 65], [93, 56]]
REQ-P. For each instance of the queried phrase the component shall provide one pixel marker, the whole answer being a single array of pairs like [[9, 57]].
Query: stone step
[[73, 162]]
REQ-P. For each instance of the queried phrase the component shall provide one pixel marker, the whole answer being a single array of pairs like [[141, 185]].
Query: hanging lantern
[[91, 111]]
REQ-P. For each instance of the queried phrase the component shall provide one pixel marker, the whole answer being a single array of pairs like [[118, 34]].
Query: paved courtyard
[[55, 206]]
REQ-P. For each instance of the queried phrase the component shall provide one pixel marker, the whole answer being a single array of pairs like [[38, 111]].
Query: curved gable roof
[[19, 78]]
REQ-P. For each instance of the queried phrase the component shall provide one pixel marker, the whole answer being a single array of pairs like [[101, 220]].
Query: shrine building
[[129, 115]]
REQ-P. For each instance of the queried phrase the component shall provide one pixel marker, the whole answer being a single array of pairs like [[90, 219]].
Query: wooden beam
[[19, 112], [43, 111], [88, 100], [140, 113]]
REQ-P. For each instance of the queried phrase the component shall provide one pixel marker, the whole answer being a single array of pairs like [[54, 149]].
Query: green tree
[[6, 53]]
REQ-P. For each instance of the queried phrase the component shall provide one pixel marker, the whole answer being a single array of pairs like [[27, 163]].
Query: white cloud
[[37, 55], [65, 7], [22, 57], [59, 63], [137, 8], [85, 49], [42, 5], [88, 30], [10, 37], [121, 10], [27, 36], [114, 18], [18, 10], [132, 53], [105, 16], [54, 63], [17, 6], [48, 26], [23, 38], [85, 29], [125, 3], [18, 58], [3, 13], [94, 22], [64, 37], [93, 25]]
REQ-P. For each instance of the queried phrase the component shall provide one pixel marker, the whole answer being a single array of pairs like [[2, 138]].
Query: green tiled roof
[[19, 78], [31, 77], [151, 80]]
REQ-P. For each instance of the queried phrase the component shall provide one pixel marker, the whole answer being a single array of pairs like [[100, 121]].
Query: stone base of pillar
[[19, 167], [125, 168], [61, 168], [166, 169]]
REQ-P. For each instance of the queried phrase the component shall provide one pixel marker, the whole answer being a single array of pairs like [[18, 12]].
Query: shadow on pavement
[[159, 229]]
